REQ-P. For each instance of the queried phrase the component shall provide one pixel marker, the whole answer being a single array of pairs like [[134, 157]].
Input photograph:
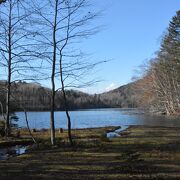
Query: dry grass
[[141, 153]]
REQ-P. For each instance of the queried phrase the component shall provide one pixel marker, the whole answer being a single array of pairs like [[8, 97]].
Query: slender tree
[[13, 46], [59, 22], [75, 29]]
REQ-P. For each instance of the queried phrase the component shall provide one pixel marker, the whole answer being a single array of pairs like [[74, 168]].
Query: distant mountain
[[34, 97], [124, 96]]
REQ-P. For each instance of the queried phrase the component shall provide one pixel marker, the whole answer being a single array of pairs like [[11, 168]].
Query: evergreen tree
[[161, 81], [170, 47], [166, 69]]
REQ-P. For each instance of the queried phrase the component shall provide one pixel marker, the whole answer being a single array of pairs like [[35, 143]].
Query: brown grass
[[141, 153]]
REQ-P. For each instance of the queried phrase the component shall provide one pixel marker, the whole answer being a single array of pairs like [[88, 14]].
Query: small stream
[[8, 152], [116, 133]]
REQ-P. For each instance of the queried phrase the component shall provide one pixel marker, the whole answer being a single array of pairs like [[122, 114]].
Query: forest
[[159, 87], [34, 97]]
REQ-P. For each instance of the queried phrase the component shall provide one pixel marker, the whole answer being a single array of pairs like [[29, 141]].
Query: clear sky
[[132, 34]]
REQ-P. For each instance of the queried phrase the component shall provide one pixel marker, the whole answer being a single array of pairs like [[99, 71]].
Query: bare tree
[[45, 21], [162, 78], [72, 65], [14, 46], [58, 23]]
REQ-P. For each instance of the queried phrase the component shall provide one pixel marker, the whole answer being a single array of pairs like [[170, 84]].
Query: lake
[[97, 118]]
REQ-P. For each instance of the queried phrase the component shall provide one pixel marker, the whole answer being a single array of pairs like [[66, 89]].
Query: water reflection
[[6, 153], [116, 133]]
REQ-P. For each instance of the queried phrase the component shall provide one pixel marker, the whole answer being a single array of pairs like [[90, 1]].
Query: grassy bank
[[140, 153]]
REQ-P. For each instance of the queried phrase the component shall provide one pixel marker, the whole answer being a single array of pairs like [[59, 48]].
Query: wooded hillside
[[32, 96]]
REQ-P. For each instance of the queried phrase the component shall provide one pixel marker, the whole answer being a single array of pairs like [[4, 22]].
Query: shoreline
[[25, 140]]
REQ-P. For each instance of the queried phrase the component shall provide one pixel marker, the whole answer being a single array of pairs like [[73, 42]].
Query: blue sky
[[132, 34]]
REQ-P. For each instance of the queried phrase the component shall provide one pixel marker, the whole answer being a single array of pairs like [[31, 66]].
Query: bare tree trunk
[[65, 103], [2, 110], [7, 124], [68, 116], [8, 93], [53, 75], [29, 127], [52, 116], [167, 110], [62, 80]]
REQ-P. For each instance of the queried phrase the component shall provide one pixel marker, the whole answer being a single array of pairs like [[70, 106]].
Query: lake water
[[96, 118]]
